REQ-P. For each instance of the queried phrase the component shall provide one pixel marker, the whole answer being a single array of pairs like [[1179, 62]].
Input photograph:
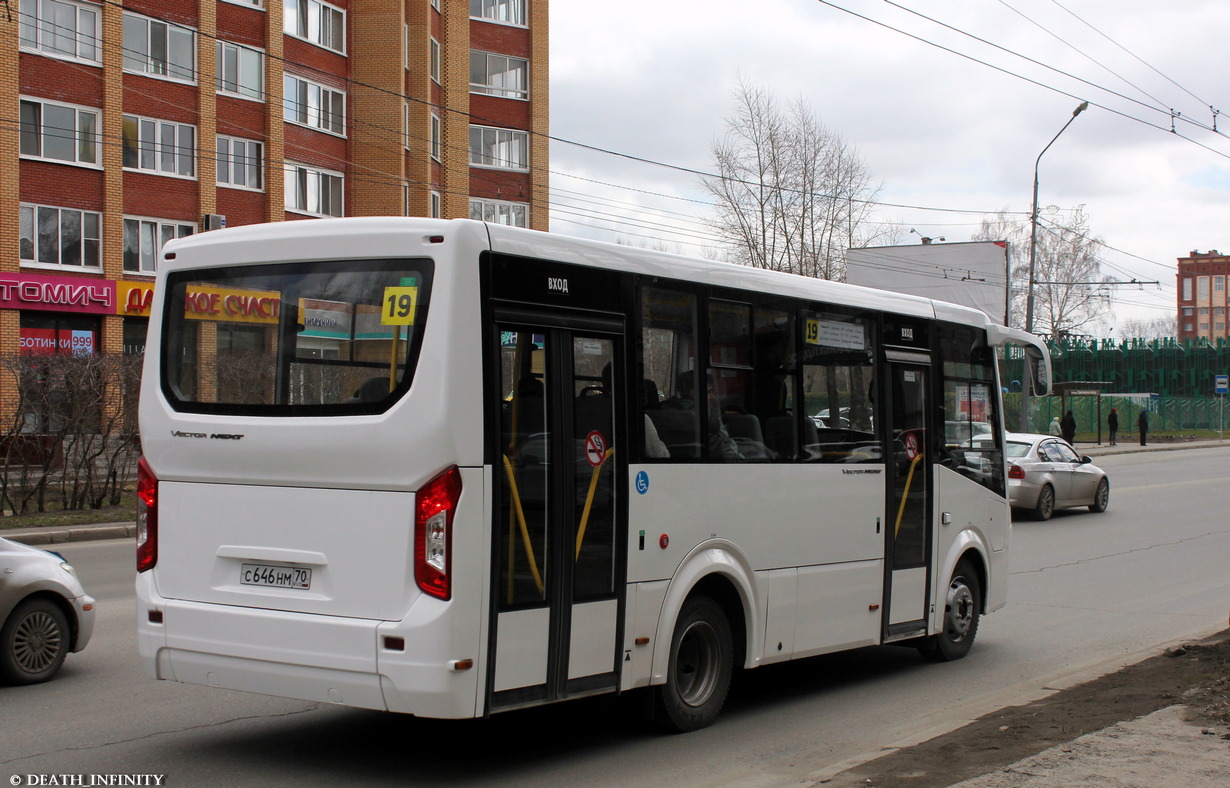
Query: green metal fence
[[1171, 380], [1165, 367]]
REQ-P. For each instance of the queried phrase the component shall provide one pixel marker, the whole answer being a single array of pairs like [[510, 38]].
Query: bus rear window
[[293, 339]]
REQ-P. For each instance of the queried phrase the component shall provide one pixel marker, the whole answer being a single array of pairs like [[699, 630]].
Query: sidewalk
[[1132, 446]]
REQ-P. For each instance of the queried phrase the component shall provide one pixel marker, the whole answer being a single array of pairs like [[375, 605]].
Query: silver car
[[1045, 473], [44, 613]]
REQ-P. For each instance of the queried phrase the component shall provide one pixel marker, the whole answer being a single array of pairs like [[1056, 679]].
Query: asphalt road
[[1088, 594]]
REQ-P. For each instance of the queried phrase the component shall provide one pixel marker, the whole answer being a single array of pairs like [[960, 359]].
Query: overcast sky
[[653, 79]]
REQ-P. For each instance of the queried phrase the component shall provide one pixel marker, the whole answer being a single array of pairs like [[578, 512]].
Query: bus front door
[[909, 526], [557, 507]]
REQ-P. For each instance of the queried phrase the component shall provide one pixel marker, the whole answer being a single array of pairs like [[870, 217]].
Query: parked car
[[1045, 473], [44, 613]]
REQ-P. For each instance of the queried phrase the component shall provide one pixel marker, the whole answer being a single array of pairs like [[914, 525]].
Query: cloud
[[654, 79]]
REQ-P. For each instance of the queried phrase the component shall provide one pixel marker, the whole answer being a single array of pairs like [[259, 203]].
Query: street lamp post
[[1026, 379]]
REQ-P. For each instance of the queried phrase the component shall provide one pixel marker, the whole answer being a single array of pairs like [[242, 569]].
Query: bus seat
[[591, 411], [779, 434], [678, 429], [745, 429], [372, 390]]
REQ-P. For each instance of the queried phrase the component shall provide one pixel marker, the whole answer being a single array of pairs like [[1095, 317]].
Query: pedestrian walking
[[1142, 423], [1054, 428], [1112, 421], [1068, 426]]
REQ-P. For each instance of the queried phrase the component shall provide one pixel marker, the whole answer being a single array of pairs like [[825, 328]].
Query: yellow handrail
[[525, 533], [589, 500], [909, 479]]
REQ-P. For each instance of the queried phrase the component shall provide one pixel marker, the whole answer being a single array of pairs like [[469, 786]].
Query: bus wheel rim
[[959, 610], [696, 665]]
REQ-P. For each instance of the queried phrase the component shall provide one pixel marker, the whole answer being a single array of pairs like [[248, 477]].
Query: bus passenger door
[[908, 518], [557, 516]]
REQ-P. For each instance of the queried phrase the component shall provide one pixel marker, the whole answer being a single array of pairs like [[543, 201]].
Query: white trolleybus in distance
[[451, 469]]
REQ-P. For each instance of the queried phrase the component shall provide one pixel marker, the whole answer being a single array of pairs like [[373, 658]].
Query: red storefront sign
[[58, 293]]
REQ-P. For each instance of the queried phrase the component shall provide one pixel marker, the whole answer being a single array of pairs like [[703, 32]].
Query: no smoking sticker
[[911, 445], [595, 448]]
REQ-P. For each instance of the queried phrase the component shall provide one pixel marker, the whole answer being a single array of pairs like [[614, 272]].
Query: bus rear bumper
[[331, 660]]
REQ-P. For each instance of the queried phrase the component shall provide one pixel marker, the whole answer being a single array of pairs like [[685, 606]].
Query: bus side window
[[668, 356], [838, 389]]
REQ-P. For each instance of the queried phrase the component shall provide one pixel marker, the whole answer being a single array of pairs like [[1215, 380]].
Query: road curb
[[76, 533]]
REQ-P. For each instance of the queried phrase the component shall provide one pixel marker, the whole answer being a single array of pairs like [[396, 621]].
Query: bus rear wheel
[[962, 612], [701, 662]]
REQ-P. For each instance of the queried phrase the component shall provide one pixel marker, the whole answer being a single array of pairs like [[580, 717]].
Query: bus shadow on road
[[373, 747]]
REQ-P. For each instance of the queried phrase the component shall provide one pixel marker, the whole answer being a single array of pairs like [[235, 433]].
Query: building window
[[240, 71], [159, 49], [1202, 288], [60, 29], [405, 46], [405, 125], [433, 65], [1219, 284], [435, 207], [436, 135], [59, 132], [240, 163], [318, 22], [499, 75], [144, 239], [1187, 288], [314, 191], [60, 236], [514, 214], [159, 146], [309, 104], [505, 149], [509, 12]]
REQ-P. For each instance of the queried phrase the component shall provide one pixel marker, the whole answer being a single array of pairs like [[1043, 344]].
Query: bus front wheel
[[701, 663], [962, 611]]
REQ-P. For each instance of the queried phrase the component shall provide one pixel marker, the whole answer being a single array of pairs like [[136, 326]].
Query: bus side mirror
[[1039, 372]]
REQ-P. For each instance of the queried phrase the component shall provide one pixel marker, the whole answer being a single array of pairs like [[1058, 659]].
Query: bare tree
[[1152, 328], [1070, 292], [791, 194]]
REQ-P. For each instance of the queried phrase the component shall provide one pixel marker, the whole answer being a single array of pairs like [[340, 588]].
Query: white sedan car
[[44, 613], [1045, 473]]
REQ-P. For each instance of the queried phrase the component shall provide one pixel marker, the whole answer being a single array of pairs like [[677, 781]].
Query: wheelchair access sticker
[[642, 482]]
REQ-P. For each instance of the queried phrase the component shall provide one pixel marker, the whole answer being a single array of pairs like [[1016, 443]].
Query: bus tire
[[962, 612], [698, 675]]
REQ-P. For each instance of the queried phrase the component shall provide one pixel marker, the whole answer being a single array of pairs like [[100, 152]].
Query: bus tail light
[[147, 517], [1016, 472], [434, 508]]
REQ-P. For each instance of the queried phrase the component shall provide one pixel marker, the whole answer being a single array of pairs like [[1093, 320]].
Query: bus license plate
[[275, 576]]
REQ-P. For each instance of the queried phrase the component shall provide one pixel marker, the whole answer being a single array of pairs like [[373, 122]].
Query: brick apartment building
[[131, 122], [1202, 303]]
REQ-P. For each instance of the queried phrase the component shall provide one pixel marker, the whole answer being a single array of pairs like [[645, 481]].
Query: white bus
[[449, 469]]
